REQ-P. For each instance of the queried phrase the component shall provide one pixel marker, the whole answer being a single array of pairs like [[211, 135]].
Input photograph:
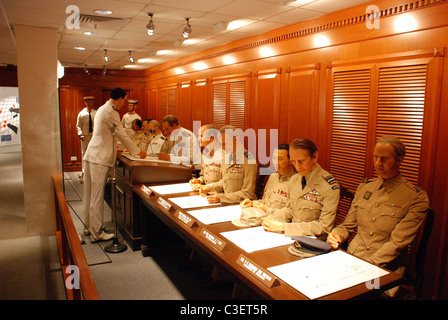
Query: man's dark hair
[[172, 120], [117, 93], [283, 146], [303, 143], [138, 122]]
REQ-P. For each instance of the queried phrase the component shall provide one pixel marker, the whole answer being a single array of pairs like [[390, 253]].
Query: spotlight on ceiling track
[[86, 71], [150, 26], [187, 29], [131, 58], [104, 70], [106, 57]]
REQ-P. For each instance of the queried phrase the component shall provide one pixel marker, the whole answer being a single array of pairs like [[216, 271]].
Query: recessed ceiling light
[[236, 24], [130, 66], [162, 52], [89, 33], [80, 48], [103, 11], [144, 60]]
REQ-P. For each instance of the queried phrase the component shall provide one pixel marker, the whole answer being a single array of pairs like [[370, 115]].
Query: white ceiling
[[169, 20]]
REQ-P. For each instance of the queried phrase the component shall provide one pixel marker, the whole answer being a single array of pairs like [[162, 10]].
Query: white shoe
[[81, 238], [86, 232], [104, 237]]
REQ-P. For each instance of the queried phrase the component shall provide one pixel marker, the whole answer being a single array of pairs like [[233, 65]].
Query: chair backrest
[[415, 270]]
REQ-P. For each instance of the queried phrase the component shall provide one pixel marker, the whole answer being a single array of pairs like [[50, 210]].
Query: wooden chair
[[414, 274]]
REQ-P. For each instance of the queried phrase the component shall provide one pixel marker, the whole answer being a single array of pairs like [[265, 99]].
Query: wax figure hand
[[213, 197], [270, 225], [164, 156], [142, 154], [334, 240]]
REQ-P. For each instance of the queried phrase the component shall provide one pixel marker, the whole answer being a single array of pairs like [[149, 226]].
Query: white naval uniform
[[99, 158], [155, 144], [127, 120], [82, 126]]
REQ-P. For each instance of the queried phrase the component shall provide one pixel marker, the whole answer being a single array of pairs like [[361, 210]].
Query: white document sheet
[[255, 239], [172, 188], [149, 159], [328, 273], [192, 202], [217, 215]]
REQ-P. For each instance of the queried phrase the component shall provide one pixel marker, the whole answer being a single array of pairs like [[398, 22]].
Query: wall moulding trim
[[348, 21]]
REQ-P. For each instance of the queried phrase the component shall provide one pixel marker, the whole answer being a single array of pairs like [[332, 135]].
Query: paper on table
[[327, 273], [217, 215], [255, 239], [192, 202], [172, 188], [149, 159]]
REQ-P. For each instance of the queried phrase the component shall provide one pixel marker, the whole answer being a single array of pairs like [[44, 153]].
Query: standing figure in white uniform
[[99, 158], [84, 126], [130, 116]]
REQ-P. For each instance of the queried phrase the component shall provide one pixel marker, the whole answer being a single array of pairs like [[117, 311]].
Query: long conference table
[[269, 273]]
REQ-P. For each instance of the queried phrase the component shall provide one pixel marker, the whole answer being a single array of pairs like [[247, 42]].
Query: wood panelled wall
[[364, 84]]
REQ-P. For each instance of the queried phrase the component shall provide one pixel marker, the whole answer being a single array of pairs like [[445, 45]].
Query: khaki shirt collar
[[287, 176], [390, 184]]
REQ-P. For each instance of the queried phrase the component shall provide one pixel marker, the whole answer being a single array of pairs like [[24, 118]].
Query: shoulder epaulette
[[248, 155], [330, 179], [367, 180]]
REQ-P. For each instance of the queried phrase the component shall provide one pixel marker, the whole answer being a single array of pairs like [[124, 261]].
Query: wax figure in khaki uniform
[[314, 196], [99, 158], [157, 143], [84, 126], [185, 147], [239, 172], [276, 192], [145, 141], [387, 212], [130, 116], [212, 157]]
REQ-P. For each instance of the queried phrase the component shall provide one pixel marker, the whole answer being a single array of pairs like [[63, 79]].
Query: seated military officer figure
[[276, 191], [387, 211], [211, 157], [239, 171], [314, 196]]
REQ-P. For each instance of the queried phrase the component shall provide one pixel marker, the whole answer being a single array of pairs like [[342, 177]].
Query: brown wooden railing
[[70, 250]]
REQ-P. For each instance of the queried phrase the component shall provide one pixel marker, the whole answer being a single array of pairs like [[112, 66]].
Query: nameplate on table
[[215, 241], [260, 273], [146, 190], [185, 218], [165, 204]]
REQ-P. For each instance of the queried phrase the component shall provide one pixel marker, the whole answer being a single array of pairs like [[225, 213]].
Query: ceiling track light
[[104, 70], [106, 57], [86, 71], [131, 58], [150, 26], [187, 29]]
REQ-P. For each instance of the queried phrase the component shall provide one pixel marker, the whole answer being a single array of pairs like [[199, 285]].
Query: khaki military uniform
[[387, 215], [311, 211], [211, 166], [276, 192], [239, 175]]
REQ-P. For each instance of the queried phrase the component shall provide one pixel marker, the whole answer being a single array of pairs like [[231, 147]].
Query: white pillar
[[37, 58]]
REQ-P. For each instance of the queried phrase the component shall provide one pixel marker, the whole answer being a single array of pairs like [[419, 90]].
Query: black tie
[[90, 123], [303, 182]]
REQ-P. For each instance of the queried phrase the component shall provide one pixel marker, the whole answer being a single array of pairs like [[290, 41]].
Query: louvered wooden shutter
[[163, 102], [237, 101], [401, 98], [219, 103], [349, 131], [172, 101], [229, 99]]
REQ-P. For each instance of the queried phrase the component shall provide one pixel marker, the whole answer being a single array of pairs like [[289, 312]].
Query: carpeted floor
[[30, 269]]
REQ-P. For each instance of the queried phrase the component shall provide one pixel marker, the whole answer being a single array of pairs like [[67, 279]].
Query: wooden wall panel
[[300, 99]]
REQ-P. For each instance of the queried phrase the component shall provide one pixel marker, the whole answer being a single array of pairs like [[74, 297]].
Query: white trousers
[[95, 176], [84, 145]]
